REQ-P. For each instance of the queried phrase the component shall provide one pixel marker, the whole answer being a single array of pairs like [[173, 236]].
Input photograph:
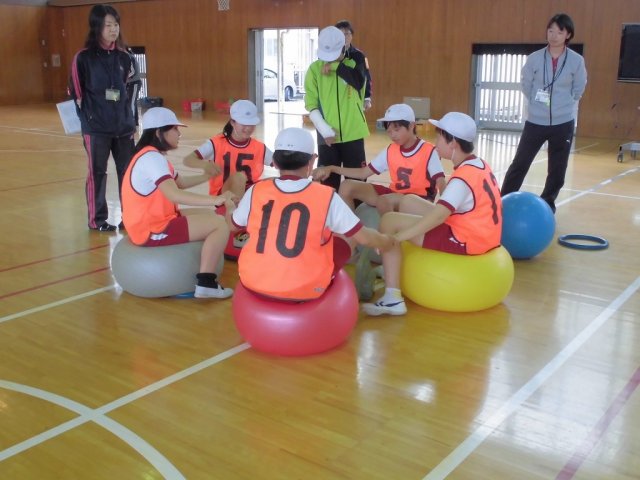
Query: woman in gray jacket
[[553, 80]]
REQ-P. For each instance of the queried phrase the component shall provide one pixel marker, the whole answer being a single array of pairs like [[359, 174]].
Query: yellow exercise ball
[[455, 283]]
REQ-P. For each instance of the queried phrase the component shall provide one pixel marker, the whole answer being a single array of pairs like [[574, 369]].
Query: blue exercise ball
[[528, 224]]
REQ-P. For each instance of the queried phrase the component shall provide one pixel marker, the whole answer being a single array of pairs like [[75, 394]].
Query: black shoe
[[121, 226], [105, 227]]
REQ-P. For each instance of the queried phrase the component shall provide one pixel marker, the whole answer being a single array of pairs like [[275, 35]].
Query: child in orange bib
[[152, 191], [414, 166], [292, 252], [466, 220]]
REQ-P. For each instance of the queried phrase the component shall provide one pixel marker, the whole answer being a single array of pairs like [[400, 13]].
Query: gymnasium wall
[[22, 75], [415, 48]]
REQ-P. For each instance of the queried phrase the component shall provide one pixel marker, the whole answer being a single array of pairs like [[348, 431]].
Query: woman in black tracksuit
[[98, 85]]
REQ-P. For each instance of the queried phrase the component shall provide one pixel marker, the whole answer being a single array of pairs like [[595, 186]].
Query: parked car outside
[[270, 86]]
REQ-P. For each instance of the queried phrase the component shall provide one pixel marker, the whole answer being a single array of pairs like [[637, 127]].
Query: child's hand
[[227, 196], [211, 169], [219, 200], [321, 173], [388, 242], [229, 204], [231, 196]]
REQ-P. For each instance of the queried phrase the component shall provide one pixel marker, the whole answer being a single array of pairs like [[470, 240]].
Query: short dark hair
[[96, 23], [399, 123], [290, 159], [344, 25], [564, 22], [150, 139], [465, 145]]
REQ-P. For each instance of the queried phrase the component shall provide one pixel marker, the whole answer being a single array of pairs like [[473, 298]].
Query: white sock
[[391, 295]]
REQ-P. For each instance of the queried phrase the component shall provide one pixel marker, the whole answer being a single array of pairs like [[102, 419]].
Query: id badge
[[112, 94], [543, 96]]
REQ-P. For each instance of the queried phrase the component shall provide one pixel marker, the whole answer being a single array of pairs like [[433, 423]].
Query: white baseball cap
[[331, 41], [157, 117], [399, 111], [244, 112], [296, 140], [460, 125]]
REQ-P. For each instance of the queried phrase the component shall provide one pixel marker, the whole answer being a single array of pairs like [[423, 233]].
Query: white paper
[[69, 117]]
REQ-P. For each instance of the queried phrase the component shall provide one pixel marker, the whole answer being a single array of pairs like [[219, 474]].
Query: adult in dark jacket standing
[[99, 74], [360, 58]]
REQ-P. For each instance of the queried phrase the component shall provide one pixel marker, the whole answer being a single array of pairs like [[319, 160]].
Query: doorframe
[[256, 67]]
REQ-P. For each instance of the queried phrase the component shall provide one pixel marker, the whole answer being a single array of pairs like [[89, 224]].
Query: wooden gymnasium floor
[[98, 384]]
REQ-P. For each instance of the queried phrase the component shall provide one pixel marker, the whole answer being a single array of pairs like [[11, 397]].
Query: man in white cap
[[334, 96], [292, 253], [466, 219]]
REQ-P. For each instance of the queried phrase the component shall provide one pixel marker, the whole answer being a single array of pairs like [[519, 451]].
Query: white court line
[[598, 186], [450, 462], [155, 458], [55, 304], [173, 378], [473, 441], [98, 416], [46, 133], [577, 150], [48, 151]]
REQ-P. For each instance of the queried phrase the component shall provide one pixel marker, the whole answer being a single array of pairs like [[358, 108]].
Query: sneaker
[[382, 308], [105, 227], [218, 292], [379, 271], [240, 239], [365, 276]]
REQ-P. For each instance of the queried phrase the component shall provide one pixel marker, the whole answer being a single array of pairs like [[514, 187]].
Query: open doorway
[[278, 61], [286, 54]]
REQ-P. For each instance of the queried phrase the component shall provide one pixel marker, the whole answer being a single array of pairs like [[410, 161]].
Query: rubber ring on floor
[[599, 243]]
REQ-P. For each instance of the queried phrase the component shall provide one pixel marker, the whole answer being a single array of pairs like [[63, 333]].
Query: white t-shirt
[[149, 171], [457, 193], [341, 219]]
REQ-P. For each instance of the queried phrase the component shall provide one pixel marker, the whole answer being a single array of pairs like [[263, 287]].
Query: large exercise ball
[[295, 329], [528, 224], [157, 271], [455, 283], [370, 217]]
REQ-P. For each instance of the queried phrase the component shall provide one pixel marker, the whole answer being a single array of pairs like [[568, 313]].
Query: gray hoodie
[[564, 92]]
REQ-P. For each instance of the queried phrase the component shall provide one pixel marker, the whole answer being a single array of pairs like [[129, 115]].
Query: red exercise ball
[[296, 329]]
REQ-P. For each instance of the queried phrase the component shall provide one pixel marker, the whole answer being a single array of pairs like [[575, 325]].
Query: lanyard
[[558, 72]]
